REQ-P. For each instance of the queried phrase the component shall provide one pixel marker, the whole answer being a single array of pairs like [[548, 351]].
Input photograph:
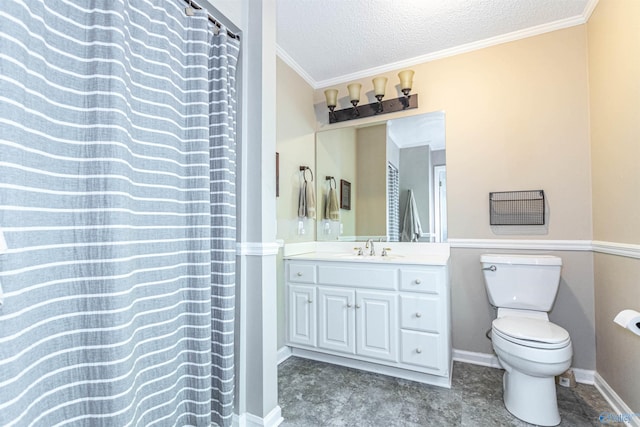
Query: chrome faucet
[[372, 251]]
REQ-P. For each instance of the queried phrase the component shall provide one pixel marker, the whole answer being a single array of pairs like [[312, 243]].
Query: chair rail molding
[[540, 244], [613, 248], [257, 248], [629, 250]]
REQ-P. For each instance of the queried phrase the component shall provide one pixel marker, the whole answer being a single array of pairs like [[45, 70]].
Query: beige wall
[[517, 118], [618, 350], [295, 141], [614, 67], [336, 157], [371, 192]]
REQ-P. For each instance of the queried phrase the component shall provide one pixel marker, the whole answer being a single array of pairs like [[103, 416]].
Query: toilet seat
[[531, 332]]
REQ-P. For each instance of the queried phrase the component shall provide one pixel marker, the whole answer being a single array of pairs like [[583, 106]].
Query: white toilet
[[531, 349]]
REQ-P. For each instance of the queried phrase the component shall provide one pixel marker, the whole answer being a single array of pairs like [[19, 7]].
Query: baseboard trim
[[283, 354], [273, 419], [617, 404], [421, 377], [475, 358], [583, 376]]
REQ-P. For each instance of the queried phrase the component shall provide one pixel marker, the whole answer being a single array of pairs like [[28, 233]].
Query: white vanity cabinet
[[357, 322], [385, 317]]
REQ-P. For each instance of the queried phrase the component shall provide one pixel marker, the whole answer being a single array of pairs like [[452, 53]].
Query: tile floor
[[320, 394]]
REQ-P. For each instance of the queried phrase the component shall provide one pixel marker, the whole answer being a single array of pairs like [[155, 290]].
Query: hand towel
[[302, 200], [310, 200], [332, 208], [411, 228]]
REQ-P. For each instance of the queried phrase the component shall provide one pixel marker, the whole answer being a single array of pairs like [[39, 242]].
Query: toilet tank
[[528, 282]]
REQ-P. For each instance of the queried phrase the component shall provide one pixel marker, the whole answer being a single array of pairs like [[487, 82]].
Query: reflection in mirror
[[384, 163]]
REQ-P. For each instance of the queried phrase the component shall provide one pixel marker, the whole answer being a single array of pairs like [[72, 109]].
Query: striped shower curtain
[[117, 202]]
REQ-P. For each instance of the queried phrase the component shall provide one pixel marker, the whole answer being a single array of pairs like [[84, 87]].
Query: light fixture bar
[[373, 109]]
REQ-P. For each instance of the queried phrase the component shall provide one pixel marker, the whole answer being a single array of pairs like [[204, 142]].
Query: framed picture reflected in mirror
[[345, 195]]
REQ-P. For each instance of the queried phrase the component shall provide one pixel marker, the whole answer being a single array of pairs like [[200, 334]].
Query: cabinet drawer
[[421, 349], [362, 276], [302, 273], [422, 280], [421, 313]]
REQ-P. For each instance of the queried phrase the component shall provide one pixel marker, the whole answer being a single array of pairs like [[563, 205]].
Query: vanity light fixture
[[332, 100], [406, 102], [379, 87], [354, 96], [406, 81]]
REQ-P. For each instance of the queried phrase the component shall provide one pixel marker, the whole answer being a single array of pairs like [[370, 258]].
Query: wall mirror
[[384, 163]]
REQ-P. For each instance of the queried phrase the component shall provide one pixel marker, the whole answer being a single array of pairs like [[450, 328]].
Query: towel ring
[[304, 170], [331, 180]]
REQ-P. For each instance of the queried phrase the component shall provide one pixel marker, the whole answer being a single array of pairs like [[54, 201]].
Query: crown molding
[[588, 10], [287, 59], [465, 48]]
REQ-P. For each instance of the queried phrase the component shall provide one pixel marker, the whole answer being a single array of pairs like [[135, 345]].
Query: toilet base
[[531, 399]]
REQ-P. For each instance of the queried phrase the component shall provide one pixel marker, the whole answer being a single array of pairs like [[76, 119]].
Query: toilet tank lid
[[518, 259]]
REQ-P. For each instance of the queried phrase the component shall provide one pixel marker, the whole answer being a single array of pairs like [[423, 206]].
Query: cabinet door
[[336, 319], [302, 315], [376, 325]]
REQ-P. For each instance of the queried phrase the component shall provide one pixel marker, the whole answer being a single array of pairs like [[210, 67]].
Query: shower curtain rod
[[211, 18]]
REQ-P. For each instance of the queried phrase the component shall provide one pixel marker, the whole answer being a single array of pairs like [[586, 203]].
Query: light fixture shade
[[379, 86], [332, 97], [354, 91], [406, 79]]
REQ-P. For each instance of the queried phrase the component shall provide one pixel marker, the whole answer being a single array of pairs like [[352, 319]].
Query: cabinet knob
[[418, 281], [357, 305], [310, 301], [299, 273], [348, 305], [418, 314], [418, 350]]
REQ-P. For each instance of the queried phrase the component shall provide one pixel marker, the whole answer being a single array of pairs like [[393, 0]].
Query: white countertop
[[391, 259], [400, 253]]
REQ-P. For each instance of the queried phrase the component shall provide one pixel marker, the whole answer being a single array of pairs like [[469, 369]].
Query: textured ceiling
[[332, 41], [422, 129]]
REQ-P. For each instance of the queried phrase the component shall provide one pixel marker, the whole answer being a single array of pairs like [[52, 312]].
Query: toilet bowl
[[531, 349], [531, 363]]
